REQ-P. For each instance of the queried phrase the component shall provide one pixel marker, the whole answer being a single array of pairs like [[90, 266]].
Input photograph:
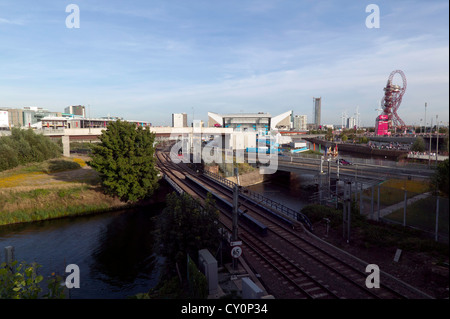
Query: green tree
[[363, 140], [125, 160], [185, 227], [329, 135], [418, 145], [440, 179]]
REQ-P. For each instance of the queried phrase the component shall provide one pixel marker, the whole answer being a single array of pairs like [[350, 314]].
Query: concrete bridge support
[[66, 145]]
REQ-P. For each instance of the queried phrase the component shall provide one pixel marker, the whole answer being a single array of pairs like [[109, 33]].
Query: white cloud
[[9, 21]]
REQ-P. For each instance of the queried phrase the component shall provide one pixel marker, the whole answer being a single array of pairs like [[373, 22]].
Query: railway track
[[302, 263], [305, 285]]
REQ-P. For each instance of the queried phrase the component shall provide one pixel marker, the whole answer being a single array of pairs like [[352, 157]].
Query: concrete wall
[[248, 179]]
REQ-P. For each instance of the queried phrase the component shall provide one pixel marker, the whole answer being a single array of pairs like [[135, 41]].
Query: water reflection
[[289, 189], [123, 254], [114, 251]]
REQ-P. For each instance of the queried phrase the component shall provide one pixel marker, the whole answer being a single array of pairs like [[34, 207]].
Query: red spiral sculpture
[[392, 99]]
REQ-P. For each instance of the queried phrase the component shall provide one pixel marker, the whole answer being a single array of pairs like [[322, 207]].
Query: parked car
[[342, 161]]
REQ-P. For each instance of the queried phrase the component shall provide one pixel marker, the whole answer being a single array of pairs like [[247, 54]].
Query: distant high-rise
[[300, 122], [351, 122], [76, 110], [179, 120], [317, 110]]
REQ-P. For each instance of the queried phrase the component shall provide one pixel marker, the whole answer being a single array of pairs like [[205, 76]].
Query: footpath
[[390, 209]]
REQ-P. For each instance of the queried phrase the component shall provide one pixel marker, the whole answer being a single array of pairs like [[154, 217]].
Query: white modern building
[[251, 122], [4, 121], [179, 120], [351, 122], [300, 122]]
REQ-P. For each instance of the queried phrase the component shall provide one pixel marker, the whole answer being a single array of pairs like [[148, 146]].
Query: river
[[287, 190], [114, 251]]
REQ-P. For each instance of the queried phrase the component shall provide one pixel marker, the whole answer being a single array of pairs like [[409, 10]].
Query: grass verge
[[39, 191], [393, 191], [422, 214], [48, 203]]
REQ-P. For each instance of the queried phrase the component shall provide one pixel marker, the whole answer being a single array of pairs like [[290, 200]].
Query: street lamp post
[[429, 153]]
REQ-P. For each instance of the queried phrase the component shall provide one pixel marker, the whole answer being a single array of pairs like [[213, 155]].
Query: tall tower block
[[317, 110]]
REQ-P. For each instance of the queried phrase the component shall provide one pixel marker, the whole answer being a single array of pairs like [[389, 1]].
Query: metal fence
[[420, 210], [360, 160]]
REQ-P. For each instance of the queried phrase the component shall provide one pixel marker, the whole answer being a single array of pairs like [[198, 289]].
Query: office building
[[300, 122], [79, 110], [351, 122], [179, 120], [28, 116], [317, 111]]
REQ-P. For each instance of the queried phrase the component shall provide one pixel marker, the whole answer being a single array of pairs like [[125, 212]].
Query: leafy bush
[[316, 213], [24, 146], [21, 281]]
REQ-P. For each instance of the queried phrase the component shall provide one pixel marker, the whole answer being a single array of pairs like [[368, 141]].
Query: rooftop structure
[[251, 122], [76, 110]]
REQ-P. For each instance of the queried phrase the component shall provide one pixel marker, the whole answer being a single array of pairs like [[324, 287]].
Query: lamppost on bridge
[[437, 139], [429, 153], [425, 118]]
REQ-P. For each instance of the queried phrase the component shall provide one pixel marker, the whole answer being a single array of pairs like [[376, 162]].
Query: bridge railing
[[262, 200], [299, 157]]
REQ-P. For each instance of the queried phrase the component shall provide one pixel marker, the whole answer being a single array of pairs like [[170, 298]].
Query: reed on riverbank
[[47, 203], [55, 188]]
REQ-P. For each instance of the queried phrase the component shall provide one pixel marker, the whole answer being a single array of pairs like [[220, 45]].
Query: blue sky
[[144, 60]]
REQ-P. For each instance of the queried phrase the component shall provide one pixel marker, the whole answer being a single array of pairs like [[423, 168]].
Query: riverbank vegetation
[[22, 281], [47, 203], [51, 189], [184, 228]]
